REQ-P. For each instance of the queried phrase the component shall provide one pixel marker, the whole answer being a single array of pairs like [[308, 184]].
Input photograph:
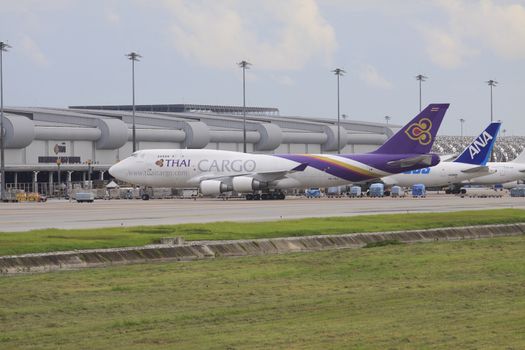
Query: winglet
[[478, 152], [300, 167], [418, 135]]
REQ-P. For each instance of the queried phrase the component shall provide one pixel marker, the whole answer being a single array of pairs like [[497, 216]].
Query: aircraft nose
[[117, 171]]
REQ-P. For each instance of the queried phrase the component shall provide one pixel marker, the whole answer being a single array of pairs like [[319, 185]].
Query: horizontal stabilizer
[[425, 159], [448, 157], [477, 169]]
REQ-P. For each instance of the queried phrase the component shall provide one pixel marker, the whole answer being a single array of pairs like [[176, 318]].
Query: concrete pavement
[[101, 213]]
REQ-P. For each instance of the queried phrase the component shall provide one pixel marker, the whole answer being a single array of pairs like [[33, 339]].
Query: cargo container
[[419, 190], [377, 190], [312, 193], [333, 192], [355, 191], [397, 191], [517, 191]]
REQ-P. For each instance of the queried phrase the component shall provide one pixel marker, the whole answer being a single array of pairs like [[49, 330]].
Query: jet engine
[[246, 184], [213, 187]]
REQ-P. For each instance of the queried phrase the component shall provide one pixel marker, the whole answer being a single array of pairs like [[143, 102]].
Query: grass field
[[451, 295], [55, 240]]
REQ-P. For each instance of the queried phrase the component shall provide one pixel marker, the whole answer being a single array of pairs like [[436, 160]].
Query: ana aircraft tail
[[478, 152], [418, 135]]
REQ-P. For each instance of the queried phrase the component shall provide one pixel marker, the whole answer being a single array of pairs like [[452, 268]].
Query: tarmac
[[110, 213]]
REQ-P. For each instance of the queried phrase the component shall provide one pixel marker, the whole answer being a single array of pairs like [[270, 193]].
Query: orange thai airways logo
[[420, 131], [160, 163]]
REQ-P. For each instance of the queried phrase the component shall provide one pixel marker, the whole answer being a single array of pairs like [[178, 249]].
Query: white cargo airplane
[[214, 172], [470, 164]]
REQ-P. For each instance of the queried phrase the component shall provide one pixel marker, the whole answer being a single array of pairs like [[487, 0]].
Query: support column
[[50, 183], [69, 184], [83, 177], [16, 180], [102, 172], [35, 181]]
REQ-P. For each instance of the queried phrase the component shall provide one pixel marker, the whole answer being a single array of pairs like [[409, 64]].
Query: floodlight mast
[[244, 65], [461, 120], [133, 56], [387, 119], [338, 72], [3, 48], [491, 83], [420, 78]]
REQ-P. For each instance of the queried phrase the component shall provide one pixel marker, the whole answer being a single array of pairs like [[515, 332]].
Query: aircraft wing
[[424, 159], [476, 169], [268, 176], [264, 176]]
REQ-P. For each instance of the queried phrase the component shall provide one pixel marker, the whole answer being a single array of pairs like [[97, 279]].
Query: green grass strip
[[443, 295], [58, 240]]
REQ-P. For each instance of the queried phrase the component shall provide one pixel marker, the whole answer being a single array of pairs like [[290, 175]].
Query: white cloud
[[498, 27], [270, 34], [33, 51], [371, 77], [445, 49]]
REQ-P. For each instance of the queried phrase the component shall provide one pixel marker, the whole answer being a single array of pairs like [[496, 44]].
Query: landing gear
[[145, 197], [265, 196]]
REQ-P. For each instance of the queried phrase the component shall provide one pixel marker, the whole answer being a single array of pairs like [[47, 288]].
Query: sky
[[72, 52]]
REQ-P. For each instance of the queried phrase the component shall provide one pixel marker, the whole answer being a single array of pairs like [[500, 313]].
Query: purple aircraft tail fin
[[418, 135]]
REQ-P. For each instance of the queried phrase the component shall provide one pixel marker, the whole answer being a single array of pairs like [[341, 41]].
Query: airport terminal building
[[49, 147]]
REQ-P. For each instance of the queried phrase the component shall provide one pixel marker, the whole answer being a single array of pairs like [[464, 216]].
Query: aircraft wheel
[[281, 196], [145, 197], [256, 197], [249, 197], [265, 196], [274, 195]]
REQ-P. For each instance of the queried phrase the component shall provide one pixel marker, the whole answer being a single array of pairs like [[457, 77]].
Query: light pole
[[387, 119], [244, 65], [3, 47], [420, 78], [133, 56], [338, 72], [492, 83], [461, 120]]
